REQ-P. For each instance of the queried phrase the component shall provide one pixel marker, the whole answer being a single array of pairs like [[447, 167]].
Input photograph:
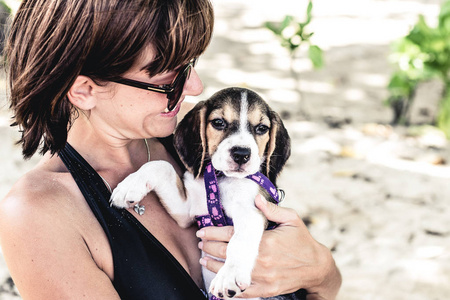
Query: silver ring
[[281, 194]]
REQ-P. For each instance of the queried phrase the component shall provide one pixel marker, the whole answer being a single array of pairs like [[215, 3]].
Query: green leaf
[[5, 7], [308, 14], [272, 27], [444, 115], [444, 16], [286, 22], [316, 56], [401, 86], [420, 32]]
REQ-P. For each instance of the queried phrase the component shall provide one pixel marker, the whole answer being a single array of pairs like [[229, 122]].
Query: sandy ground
[[376, 195]]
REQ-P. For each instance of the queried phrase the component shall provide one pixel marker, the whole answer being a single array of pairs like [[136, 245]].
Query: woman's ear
[[81, 93]]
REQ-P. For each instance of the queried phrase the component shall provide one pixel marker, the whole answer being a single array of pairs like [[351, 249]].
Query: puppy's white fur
[[237, 195], [221, 159]]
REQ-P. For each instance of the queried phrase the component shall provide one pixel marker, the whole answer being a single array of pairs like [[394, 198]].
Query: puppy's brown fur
[[196, 139]]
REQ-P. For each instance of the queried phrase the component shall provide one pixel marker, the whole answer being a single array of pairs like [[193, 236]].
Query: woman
[[96, 86]]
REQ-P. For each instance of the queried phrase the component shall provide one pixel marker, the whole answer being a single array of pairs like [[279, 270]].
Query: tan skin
[[56, 249], [299, 259]]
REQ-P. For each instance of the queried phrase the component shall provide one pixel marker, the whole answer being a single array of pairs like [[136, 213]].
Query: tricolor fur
[[238, 132], [246, 115]]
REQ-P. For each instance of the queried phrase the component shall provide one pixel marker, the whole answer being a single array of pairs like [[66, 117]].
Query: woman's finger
[[211, 264], [213, 233], [214, 248], [276, 213]]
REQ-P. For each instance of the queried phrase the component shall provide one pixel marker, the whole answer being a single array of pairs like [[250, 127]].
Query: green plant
[[422, 55], [5, 12], [4, 8], [292, 35]]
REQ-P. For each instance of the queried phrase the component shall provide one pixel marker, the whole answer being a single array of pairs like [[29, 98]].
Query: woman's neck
[[114, 158]]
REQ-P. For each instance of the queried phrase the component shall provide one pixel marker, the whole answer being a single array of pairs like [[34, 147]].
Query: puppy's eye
[[261, 129], [219, 124]]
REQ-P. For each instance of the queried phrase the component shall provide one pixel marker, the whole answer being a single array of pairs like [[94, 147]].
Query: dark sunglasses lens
[[178, 86]]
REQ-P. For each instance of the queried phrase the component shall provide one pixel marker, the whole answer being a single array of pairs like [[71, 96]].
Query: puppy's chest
[[237, 192]]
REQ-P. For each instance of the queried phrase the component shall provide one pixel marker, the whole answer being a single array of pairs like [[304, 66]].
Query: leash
[[216, 215]]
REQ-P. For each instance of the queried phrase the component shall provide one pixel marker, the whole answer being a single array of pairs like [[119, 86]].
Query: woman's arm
[[289, 258], [46, 254]]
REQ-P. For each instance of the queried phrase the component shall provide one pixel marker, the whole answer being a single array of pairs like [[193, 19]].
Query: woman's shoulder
[[43, 207], [45, 180], [36, 196], [47, 228]]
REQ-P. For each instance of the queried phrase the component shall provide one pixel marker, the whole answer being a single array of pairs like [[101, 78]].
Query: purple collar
[[216, 216]]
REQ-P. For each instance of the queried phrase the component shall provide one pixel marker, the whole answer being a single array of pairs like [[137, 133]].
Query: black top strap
[[143, 267]]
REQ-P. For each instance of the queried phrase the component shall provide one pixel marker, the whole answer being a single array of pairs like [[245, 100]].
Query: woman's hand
[[289, 258]]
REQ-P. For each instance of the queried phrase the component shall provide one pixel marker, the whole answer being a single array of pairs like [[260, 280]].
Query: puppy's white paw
[[230, 281], [130, 191]]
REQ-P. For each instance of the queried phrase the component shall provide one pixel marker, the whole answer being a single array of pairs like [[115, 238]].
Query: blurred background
[[362, 87]]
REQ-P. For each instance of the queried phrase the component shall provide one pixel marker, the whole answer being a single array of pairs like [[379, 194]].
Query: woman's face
[[132, 113]]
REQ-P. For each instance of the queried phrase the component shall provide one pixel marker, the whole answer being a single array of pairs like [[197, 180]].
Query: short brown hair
[[52, 42]]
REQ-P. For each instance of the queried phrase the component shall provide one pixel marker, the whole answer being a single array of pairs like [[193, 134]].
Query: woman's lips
[[173, 113]]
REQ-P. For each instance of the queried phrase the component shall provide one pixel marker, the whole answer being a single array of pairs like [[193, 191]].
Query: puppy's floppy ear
[[190, 139], [278, 148]]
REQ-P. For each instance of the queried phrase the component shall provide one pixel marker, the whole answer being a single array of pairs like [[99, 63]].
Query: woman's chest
[[181, 243]]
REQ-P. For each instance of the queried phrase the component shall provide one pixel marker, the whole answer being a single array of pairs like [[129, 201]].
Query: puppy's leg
[[249, 224], [158, 176], [235, 276]]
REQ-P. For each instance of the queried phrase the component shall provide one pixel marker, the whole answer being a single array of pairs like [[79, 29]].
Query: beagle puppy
[[240, 135]]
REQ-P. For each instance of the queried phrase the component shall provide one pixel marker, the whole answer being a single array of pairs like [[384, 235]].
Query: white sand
[[373, 193]]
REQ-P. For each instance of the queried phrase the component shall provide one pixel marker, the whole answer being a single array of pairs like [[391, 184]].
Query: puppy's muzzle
[[240, 155]]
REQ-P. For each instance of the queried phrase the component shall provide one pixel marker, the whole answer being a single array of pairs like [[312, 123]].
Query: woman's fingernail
[[203, 262], [262, 200], [200, 233], [200, 245]]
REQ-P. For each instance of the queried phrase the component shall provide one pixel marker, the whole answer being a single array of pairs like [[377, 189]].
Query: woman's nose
[[194, 85]]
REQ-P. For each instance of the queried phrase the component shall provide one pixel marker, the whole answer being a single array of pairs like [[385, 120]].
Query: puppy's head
[[235, 130]]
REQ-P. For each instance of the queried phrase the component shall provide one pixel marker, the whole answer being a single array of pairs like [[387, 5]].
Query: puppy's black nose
[[240, 155]]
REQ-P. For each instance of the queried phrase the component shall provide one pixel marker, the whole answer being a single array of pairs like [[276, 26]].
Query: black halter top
[[143, 267]]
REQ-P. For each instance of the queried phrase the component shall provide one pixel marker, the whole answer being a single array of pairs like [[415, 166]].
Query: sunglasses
[[173, 90]]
